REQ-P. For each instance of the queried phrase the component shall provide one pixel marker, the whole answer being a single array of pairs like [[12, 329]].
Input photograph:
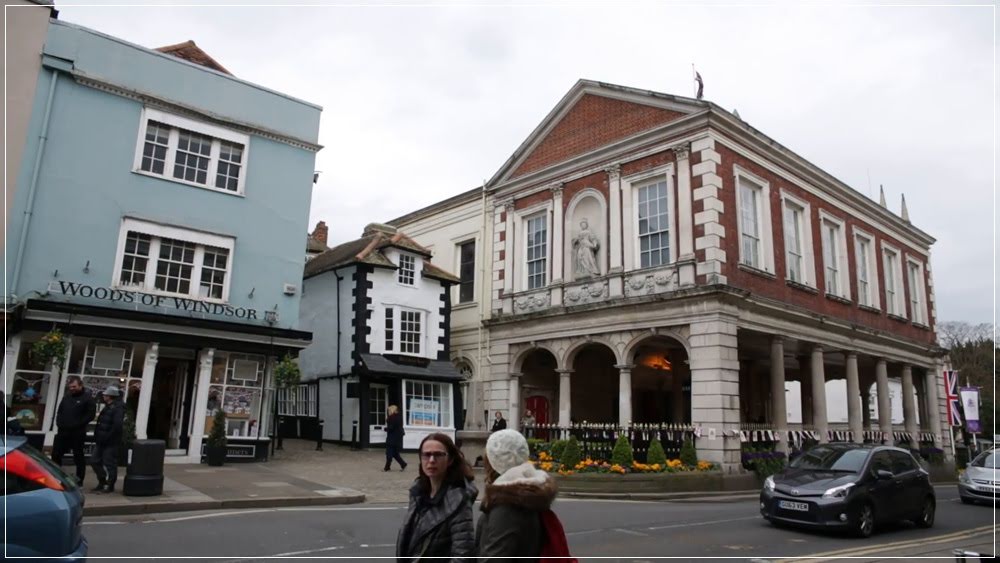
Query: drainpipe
[[33, 184], [340, 380]]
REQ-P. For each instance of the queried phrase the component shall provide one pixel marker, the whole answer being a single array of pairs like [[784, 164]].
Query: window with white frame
[[864, 265], [794, 248], [537, 251], [754, 219], [302, 408], [427, 403], [466, 271], [892, 272], [407, 269], [404, 332], [834, 256], [191, 152], [161, 259], [654, 224], [236, 386], [915, 281]]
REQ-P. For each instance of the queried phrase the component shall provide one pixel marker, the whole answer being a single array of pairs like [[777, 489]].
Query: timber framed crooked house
[[655, 259]]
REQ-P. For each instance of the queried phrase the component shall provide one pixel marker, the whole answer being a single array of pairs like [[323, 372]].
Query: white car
[[980, 482]]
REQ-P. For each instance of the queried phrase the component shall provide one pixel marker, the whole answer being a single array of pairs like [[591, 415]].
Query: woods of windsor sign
[[152, 300]]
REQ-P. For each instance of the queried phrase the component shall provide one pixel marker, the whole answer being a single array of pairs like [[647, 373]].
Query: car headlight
[[840, 492], [964, 477], [769, 484]]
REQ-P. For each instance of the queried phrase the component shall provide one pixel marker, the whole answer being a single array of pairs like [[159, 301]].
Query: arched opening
[[539, 387], [661, 382], [594, 392]]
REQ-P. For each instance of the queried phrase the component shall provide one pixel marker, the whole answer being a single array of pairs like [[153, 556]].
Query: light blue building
[[157, 223]]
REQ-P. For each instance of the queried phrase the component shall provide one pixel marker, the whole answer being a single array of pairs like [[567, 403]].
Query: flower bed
[[546, 462]]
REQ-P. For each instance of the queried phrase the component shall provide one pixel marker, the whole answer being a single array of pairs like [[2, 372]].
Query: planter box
[[699, 481]]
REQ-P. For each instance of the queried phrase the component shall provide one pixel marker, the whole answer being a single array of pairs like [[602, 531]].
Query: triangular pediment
[[593, 115]]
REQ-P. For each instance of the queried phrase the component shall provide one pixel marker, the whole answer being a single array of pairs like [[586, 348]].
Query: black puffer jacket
[[511, 524], [75, 412], [440, 526], [110, 424]]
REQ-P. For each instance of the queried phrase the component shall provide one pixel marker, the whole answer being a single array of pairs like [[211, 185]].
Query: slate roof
[[191, 52], [441, 370], [369, 250]]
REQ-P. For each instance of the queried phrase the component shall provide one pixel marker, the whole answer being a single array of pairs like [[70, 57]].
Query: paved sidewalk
[[240, 485]]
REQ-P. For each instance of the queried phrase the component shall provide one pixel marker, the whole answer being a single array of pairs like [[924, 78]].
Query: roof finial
[[903, 212], [881, 196]]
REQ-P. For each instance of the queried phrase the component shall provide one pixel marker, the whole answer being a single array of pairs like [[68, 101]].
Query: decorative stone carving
[[650, 283], [587, 293], [531, 303], [556, 189], [614, 171], [682, 150], [585, 248]]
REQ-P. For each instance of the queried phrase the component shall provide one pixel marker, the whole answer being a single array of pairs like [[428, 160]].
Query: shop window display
[[236, 388], [107, 362], [427, 404]]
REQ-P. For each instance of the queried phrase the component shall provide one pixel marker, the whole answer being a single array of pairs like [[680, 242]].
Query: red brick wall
[[593, 122], [533, 199], [777, 288]]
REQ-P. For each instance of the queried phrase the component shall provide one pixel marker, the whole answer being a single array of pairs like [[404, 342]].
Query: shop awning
[[408, 366]]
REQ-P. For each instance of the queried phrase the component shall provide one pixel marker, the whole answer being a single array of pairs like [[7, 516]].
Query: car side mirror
[[883, 474]]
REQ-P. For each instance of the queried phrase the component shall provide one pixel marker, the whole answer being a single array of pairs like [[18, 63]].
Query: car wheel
[[926, 517], [865, 524], [967, 500]]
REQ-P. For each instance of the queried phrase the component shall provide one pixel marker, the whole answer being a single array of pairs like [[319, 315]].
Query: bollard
[[354, 435], [281, 421], [319, 437]]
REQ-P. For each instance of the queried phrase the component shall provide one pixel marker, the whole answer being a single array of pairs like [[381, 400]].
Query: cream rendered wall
[[443, 230], [24, 34]]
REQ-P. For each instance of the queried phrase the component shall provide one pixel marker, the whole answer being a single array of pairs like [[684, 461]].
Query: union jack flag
[[952, 399]]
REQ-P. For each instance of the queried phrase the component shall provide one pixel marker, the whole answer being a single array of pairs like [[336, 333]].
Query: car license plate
[[789, 505]]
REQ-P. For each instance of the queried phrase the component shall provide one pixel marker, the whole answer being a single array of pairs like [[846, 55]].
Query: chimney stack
[[320, 232]]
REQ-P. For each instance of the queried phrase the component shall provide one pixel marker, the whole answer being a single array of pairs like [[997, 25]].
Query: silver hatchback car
[[981, 480]]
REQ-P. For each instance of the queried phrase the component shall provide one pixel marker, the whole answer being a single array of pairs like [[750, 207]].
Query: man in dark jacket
[[107, 440], [74, 414]]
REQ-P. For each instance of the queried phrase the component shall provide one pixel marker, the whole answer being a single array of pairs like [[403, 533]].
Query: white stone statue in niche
[[585, 248]]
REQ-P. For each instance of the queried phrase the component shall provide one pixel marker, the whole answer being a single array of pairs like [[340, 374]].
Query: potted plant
[[286, 375], [215, 448], [51, 347]]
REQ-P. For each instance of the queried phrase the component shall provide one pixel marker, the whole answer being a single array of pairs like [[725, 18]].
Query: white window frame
[[158, 231], [630, 194], [843, 275], [520, 244], [459, 243], [402, 272], [897, 305], [804, 236], [397, 342], [872, 264], [177, 122], [446, 406], [917, 291], [766, 237]]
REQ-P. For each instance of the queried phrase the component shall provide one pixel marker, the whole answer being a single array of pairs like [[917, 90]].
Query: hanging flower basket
[[49, 348], [286, 373]]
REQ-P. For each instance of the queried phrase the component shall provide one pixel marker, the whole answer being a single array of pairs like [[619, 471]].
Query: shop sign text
[[151, 300]]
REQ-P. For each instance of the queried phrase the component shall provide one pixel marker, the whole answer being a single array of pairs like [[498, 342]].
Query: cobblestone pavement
[[338, 466]]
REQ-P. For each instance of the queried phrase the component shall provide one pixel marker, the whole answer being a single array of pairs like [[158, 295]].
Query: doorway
[[170, 403], [378, 407]]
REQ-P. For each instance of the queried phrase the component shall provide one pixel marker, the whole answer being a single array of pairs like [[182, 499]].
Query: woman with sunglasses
[[439, 519]]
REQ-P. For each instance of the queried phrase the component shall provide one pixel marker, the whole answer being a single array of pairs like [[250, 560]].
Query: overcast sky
[[424, 102]]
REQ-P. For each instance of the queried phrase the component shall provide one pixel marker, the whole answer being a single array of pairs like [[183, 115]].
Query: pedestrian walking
[[75, 412], [499, 422], [439, 519], [394, 438], [517, 520], [107, 440]]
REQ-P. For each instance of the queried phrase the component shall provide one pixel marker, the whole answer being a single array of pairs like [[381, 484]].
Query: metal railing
[[597, 440]]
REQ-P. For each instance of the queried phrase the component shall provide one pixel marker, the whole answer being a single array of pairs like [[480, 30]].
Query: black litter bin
[[144, 476]]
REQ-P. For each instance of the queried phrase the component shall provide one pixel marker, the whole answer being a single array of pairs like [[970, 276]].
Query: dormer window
[[407, 269]]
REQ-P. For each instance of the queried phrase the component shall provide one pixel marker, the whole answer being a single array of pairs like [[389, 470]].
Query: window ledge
[[802, 287], [870, 309], [757, 271], [897, 318], [173, 180], [921, 325], [839, 299], [465, 305]]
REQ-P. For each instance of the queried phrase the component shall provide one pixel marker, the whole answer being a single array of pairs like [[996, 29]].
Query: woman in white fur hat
[[516, 496]]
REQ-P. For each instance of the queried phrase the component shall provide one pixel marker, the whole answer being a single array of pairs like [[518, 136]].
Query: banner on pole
[[951, 398], [970, 404]]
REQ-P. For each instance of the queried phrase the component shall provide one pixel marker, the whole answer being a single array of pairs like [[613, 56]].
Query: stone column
[[779, 414], [200, 396], [514, 401], [820, 421], [564, 396], [629, 238], [53, 394], [510, 254], [146, 391], [931, 379], [884, 404], [558, 253], [615, 284], [624, 395], [854, 418], [909, 410], [685, 215], [10, 365], [806, 389], [715, 389], [866, 412]]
